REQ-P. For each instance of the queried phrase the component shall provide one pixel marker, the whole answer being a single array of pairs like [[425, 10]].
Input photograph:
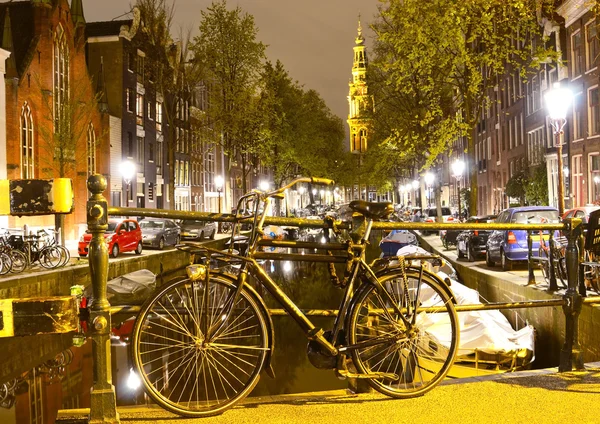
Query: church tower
[[359, 101]]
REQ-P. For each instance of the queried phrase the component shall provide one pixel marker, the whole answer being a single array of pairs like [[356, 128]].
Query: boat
[[488, 342], [395, 240]]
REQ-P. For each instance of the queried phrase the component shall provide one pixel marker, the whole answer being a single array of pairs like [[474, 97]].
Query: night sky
[[312, 38]]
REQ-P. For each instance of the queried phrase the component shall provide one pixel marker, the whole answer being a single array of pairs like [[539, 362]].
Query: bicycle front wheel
[[182, 367], [417, 350]]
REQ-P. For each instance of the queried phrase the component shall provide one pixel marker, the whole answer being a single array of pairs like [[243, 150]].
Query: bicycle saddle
[[372, 210]]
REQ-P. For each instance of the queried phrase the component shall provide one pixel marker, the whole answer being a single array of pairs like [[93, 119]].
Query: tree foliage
[[516, 186], [536, 191], [437, 63]]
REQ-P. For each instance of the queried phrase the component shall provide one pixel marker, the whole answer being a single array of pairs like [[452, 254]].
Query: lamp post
[[558, 101], [458, 168], [219, 187], [429, 177], [301, 190], [127, 169]]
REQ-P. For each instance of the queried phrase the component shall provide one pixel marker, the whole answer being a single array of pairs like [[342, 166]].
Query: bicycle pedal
[[386, 375]]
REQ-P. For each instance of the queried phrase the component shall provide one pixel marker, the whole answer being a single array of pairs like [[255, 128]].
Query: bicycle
[[201, 342], [558, 257]]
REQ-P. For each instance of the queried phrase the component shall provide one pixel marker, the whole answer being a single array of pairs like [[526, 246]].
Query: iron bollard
[[571, 352], [553, 285], [103, 400], [531, 279]]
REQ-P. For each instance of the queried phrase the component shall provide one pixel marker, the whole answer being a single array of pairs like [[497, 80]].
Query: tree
[[536, 191], [68, 116], [441, 53], [516, 186], [229, 57]]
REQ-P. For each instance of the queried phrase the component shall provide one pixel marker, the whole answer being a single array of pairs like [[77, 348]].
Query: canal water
[[43, 374]]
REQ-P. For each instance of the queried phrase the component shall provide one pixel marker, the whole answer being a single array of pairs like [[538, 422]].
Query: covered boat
[[395, 240]]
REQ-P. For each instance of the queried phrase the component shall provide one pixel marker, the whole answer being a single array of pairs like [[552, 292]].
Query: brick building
[[47, 85]]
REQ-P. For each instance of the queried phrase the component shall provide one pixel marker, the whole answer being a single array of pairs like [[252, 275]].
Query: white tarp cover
[[487, 331]]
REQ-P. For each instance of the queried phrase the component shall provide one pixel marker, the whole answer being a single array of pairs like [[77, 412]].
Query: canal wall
[[549, 322]]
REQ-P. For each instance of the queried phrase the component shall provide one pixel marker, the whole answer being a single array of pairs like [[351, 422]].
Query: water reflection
[[63, 377]]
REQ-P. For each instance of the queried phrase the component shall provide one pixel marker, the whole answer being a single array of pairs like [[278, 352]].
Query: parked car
[[192, 229], [510, 246], [472, 243], [430, 214], [582, 212], [159, 232], [122, 235]]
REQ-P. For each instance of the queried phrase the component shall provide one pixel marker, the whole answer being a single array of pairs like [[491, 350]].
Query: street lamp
[[558, 100], [458, 168], [263, 185], [219, 187], [127, 169], [429, 177]]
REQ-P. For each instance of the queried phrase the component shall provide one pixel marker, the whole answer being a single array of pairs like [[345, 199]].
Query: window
[[130, 100], [61, 75], [594, 179], [159, 156], [158, 116], [139, 109], [130, 62], [593, 111], [187, 173], [140, 150], [577, 174], [150, 191], [91, 149], [26, 142], [176, 173], [578, 123], [129, 145], [151, 152], [576, 54], [592, 45], [140, 66]]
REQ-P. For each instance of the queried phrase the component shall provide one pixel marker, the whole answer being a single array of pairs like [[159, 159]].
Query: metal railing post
[[531, 279], [571, 354], [103, 401], [553, 285]]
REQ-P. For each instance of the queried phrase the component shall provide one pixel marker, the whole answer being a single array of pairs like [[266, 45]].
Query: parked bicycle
[[200, 343], [559, 263]]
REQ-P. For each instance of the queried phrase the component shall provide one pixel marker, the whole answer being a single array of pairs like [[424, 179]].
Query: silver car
[[192, 229], [158, 232]]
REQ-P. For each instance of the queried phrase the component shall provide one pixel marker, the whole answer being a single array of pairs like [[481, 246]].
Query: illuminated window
[[26, 142]]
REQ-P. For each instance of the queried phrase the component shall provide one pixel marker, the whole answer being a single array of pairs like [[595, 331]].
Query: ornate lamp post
[[429, 178], [558, 100], [127, 170], [219, 187], [458, 168]]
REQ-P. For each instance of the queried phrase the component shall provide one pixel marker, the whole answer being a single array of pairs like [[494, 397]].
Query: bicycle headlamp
[[196, 271]]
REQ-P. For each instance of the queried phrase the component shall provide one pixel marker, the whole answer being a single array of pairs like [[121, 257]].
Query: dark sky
[[312, 38]]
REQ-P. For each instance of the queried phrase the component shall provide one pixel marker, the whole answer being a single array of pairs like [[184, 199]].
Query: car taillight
[[450, 219], [429, 220], [475, 233], [512, 239]]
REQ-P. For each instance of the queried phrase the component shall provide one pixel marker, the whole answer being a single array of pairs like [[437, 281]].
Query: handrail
[[319, 223]]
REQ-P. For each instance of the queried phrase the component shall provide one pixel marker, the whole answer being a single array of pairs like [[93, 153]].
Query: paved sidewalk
[[542, 396]]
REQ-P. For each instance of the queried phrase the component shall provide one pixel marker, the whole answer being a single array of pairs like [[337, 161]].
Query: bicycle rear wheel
[[421, 353], [181, 369], [18, 261]]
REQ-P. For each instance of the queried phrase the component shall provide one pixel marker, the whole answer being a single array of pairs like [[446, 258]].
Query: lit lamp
[[429, 177], [263, 185], [458, 168], [219, 187], [558, 100], [127, 169]]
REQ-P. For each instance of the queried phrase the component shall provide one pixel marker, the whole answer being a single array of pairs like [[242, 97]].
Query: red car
[[122, 235]]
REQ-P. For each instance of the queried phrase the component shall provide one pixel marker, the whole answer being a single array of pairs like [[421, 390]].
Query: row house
[[48, 91], [582, 131], [138, 125]]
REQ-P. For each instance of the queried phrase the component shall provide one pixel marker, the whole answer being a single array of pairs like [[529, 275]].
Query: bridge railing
[[103, 398]]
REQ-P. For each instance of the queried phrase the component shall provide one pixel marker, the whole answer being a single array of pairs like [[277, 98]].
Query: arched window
[[61, 75], [91, 150], [26, 142]]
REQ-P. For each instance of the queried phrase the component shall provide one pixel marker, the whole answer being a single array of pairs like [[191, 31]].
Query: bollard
[[571, 352], [553, 285], [103, 401], [531, 279]]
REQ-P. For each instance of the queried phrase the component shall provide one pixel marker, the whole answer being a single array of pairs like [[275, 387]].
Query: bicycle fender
[[268, 368]]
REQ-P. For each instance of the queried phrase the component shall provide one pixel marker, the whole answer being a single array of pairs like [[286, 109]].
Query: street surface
[[542, 396]]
